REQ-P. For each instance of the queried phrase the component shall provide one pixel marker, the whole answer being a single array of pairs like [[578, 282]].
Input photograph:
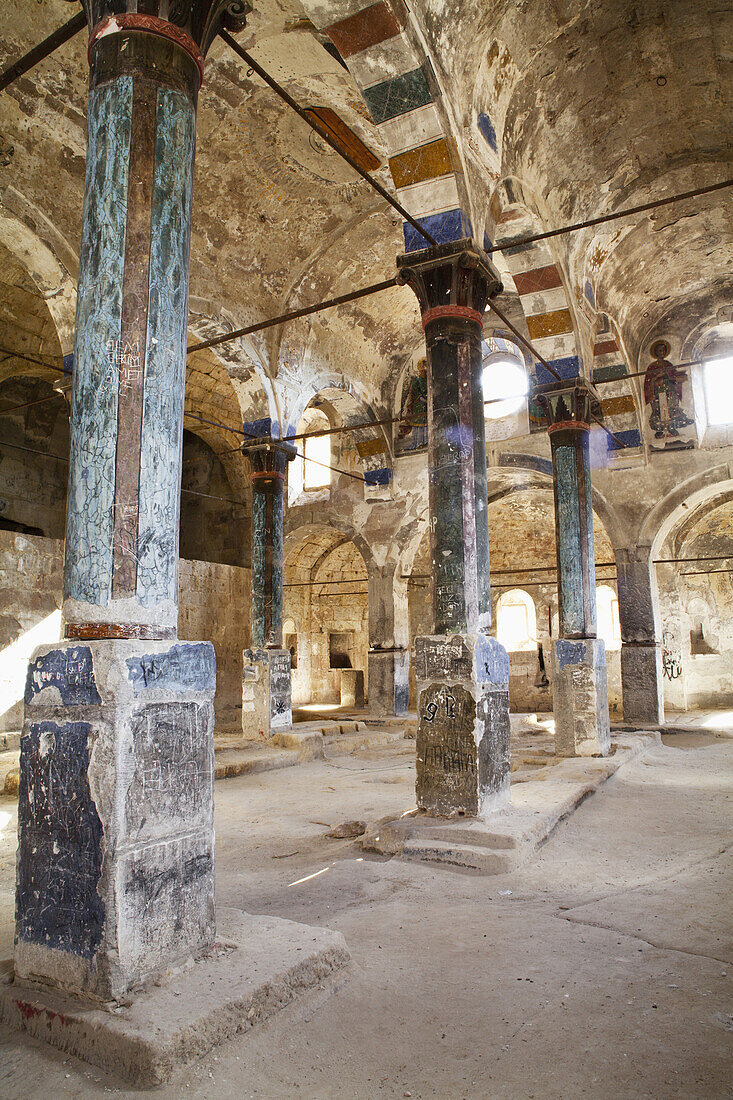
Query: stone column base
[[389, 688], [463, 725], [642, 685], [580, 697], [115, 875], [266, 702]]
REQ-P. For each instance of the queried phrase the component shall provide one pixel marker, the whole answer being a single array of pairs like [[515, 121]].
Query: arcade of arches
[[467, 538]]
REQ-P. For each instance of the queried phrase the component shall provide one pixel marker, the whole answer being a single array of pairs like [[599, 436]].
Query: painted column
[[115, 870], [389, 655], [579, 684], [266, 685], [641, 655], [462, 673]]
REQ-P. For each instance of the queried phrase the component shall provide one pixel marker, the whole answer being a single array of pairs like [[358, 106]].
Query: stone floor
[[600, 969]]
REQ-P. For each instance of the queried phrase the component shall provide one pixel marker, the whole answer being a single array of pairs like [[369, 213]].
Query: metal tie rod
[[324, 134], [43, 49]]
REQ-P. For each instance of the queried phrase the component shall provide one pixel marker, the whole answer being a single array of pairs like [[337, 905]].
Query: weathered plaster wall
[[214, 606]]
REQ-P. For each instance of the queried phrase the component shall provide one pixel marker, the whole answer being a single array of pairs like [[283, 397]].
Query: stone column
[[266, 705], [115, 870], [641, 656], [462, 673], [389, 655], [580, 688]]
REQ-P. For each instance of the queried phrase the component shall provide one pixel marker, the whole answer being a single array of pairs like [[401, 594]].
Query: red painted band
[[462, 313], [152, 25], [564, 425], [268, 474], [104, 631]]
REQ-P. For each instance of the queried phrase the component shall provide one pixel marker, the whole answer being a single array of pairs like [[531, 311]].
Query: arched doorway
[[326, 604]]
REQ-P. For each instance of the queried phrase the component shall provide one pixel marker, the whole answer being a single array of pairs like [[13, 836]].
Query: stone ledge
[[507, 839], [257, 966]]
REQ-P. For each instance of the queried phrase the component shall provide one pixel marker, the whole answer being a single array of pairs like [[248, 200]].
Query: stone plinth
[[266, 701], [389, 688], [580, 691], [642, 684], [463, 724], [257, 966], [352, 687], [115, 816]]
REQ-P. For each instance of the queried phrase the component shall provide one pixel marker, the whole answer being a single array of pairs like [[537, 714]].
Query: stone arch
[[538, 279], [398, 85], [540, 475], [690, 494], [326, 595], [45, 256]]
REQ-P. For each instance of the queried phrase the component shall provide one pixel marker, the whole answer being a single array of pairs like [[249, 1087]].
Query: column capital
[[453, 280], [568, 405], [268, 458], [191, 24]]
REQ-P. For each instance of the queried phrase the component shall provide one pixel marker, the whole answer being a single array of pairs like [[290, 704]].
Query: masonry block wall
[[214, 605]]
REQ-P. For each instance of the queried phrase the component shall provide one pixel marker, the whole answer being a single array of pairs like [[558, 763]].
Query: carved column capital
[[268, 459], [452, 280], [568, 405], [191, 24]]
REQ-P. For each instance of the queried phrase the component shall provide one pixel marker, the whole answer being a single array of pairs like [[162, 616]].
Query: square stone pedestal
[[580, 697], [266, 699], [389, 686], [352, 687], [463, 724], [642, 684], [115, 876]]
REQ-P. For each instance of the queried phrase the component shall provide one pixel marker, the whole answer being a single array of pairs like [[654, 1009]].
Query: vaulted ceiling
[[593, 107]]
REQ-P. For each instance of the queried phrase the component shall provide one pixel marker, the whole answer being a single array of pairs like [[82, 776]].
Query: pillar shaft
[[453, 285], [266, 684], [121, 565], [115, 878], [267, 466], [641, 657], [580, 688], [462, 674]]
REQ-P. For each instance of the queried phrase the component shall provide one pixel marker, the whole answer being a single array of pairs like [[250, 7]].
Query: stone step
[[472, 857]]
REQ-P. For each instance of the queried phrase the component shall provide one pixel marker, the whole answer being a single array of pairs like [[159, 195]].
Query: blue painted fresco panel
[[184, 667], [60, 841], [90, 509], [165, 359], [70, 670], [571, 573], [450, 225]]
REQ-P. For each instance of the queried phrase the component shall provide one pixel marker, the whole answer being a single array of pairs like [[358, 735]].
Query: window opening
[[504, 384], [516, 621], [609, 627], [718, 386]]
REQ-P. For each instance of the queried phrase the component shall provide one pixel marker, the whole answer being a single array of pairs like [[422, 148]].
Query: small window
[[609, 627], [516, 621], [505, 388], [317, 451], [718, 384]]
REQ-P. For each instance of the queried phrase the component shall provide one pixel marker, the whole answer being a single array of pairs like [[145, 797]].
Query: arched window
[[504, 378], [609, 627], [516, 621], [312, 471], [718, 384]]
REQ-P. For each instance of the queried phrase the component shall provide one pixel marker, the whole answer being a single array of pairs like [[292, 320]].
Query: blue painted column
[[462, 673], [266, 683], [579, 680], [268, 462], [115, 875], [121, 565]]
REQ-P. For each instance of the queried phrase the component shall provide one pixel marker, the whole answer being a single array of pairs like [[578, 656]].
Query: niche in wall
[[341, 650]]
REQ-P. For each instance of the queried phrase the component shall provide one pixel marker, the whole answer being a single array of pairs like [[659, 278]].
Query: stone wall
[[214, 606]]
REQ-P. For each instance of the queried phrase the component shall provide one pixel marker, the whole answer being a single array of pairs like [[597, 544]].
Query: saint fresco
[[664, 395]]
